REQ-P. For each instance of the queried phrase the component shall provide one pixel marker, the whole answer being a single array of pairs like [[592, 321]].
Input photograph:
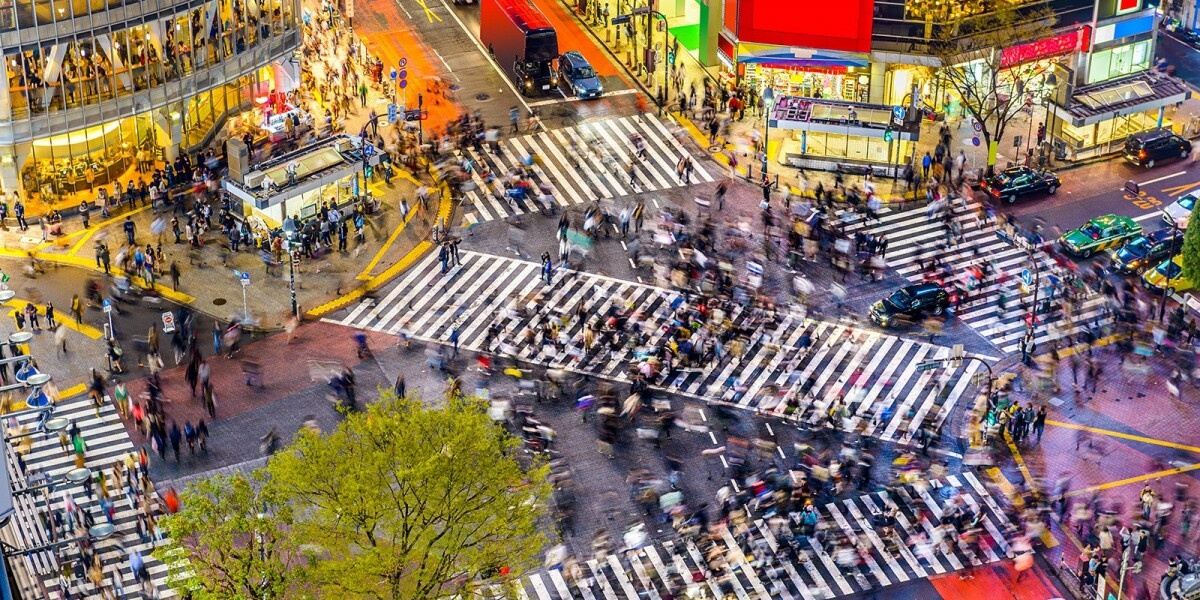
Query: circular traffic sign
[[974, 140], [403, 73], [404, 84], [403, 63]]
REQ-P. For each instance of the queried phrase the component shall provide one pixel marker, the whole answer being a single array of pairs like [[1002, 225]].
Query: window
[[1122, 60]]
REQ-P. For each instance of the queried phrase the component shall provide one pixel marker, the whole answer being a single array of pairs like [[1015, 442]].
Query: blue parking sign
[[392, 112]]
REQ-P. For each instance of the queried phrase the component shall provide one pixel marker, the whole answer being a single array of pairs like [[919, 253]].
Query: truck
[[522, 41]]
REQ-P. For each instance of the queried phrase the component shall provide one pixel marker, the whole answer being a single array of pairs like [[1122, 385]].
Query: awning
[[1125, 96], [786, 56]]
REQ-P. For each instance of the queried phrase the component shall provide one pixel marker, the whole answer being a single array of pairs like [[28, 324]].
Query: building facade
[[100, 90]]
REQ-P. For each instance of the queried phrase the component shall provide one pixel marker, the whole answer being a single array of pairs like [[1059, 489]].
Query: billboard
[[1107, 9], [821, 24]]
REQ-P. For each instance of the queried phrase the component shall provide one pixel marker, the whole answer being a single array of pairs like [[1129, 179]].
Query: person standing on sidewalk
[[130, 228]]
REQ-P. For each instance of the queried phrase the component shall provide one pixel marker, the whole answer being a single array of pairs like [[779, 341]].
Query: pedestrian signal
[[887, 135]]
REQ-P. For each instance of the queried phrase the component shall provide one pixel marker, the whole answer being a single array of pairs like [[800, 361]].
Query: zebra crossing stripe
[[874, 372]]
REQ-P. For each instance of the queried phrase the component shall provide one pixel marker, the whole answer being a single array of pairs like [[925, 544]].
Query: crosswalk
[[107, 443], [598, 173], [791, 366], [762, 566], [911, 234]]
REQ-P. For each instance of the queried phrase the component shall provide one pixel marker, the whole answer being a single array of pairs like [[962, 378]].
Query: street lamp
[[289, 234], [1166, 286], [650, 14], [768, 97]]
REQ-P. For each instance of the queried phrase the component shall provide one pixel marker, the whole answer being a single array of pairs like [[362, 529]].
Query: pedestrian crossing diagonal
[[581, 163], [107, 443], [913, 236], [785, 364], [766, 558]]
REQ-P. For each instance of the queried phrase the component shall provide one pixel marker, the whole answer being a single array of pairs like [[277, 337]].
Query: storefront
[[805, 73], [328, 171], [852, 136], [55, 168]]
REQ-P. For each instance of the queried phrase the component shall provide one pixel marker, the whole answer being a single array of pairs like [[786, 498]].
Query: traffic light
[[369, 171], [887, 135]]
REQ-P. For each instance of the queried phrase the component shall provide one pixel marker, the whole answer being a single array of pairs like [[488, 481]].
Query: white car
[[1179, 212]]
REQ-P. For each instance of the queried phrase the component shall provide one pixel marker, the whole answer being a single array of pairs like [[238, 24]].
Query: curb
[[445, 208]]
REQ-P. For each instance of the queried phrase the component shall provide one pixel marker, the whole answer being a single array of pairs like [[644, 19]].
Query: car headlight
[[599, 88], [579, 89]]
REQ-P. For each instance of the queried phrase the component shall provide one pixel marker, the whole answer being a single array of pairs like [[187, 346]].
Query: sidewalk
[[1108, 444]]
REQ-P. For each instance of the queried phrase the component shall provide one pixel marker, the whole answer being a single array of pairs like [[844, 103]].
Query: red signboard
[[819, 24], [1061, 44]]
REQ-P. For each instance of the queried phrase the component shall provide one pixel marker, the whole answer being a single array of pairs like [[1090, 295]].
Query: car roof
[[1017, 169], [575, 58], [1153, 134], [1110, 220], [923, 288], [1160, 235]]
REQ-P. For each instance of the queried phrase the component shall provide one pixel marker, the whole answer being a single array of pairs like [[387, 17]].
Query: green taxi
[[1100, 233]]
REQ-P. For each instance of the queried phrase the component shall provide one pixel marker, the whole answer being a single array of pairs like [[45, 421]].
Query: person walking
[[1039, 422], [400, 388], [77, 309], [130, 228], [547, 267], [19, 213], [926, 162]]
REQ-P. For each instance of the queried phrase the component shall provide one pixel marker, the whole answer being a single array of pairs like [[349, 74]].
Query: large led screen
[[820, 24]]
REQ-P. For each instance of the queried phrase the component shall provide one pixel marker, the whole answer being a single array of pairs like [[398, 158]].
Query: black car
[[1144, 251], [1015, 182], [1148, 147], [910, 303]]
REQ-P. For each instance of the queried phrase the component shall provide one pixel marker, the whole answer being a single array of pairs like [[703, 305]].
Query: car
[[1144, 250], [1100, 233], [1014, 182], [1168, 275], [579, 76], [1179, 212], [1145, 149], [910, 303]]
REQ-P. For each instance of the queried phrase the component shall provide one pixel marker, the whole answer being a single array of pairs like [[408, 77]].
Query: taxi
[[1098, 234], [1168, 275]]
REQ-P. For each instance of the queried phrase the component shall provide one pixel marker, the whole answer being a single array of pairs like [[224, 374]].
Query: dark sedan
[[910, 303], [1144, 251], [1015, 182]]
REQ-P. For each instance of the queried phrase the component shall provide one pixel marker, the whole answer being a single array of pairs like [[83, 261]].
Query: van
[[1147, 148]]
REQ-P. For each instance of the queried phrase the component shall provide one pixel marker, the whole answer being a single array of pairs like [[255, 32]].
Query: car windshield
[[900, 298], [1138, 247], [1170, 269], [1187, 202], [584, 73], [1092, 230]]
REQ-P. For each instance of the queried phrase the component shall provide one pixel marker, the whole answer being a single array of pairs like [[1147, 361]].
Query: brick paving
[[1132, 403]]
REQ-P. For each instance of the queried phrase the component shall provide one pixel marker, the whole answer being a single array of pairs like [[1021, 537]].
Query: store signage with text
[[1061, 44]]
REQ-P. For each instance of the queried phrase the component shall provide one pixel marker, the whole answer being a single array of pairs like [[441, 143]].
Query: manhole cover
[[714, 149], [219, 301], [482, 97], [454, 87]]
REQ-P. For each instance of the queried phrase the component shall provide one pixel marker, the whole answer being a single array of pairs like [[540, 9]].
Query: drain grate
[[219, 301], [483, 97]]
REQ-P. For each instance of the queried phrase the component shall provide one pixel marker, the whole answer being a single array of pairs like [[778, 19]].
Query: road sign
[[957, 351], [392, 112], [107, 304], [1026, 277], [975, 140], [245, 278], [928, 366], [977, 125], [403, 62], [168, 319], [403, 83], [898, 112], [393, 74]]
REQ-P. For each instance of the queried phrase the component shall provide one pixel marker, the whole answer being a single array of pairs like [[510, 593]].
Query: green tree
[[413, 503], [1191, 251], [233, 531], [970, 51]]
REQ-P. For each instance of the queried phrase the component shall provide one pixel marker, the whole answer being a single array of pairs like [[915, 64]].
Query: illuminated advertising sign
[[1107, 9], [1060, 44], [840, 25]]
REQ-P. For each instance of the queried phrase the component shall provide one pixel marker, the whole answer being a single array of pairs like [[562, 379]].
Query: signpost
[[244, 277], [168, 319], [928, 366]]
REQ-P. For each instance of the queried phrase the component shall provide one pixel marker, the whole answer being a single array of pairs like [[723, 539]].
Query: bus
[[522, 41]]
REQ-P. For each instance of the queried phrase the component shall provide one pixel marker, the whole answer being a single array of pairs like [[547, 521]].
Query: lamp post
[[1170, 264], [768, 97], [651, 14], [289, 233]]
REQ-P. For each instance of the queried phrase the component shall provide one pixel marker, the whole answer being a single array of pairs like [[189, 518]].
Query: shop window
[[1116, 62]]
